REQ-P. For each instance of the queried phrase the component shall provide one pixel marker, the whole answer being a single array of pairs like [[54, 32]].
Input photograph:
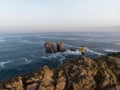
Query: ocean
[[24, 53]]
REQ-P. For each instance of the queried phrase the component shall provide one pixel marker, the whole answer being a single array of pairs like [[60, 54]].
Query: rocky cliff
[[82, 73]]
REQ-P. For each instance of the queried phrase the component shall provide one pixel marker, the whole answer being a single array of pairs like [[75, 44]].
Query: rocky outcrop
[[60, 46], [102, 73], [50, 47]]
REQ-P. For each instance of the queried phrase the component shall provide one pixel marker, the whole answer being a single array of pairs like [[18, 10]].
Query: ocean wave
[[27, 61], [27, 41], [2, 64], [69, 52], [67, 45], [111, 41], [61, 55], [78, 52], [52, 55], [111, 50], [2, 40], [61, 59], [32, 42], [71, 38], [94, 52]]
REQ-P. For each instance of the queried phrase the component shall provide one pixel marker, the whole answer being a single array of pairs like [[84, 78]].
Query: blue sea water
[[24, 53]]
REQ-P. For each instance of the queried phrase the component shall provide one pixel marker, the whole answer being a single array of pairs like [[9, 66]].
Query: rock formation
[[82, 73], [60, 46], [50, 47]]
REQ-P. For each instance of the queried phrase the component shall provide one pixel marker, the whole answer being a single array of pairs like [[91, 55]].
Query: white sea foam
[[61, 59], [69, 52], [67, 45], [2, 64], [32, 42], [111, 50], [78, 52], [53, 56], [94, 52], [27, 60], [43, 57], [61, 55], [56, 55]]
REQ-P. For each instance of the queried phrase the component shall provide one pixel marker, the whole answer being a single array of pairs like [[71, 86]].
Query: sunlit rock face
[[60, 46], [50, 47], [82, 73]]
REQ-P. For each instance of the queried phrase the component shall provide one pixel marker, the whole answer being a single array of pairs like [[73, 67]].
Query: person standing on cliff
[[83, 50]]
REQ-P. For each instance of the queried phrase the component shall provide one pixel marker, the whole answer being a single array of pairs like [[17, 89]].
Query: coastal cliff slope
[[82, 73]]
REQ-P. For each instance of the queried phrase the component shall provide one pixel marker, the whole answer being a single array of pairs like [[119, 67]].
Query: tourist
[[83, 49]]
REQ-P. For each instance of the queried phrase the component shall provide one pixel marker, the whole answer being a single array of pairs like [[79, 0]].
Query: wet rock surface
[[60, 46], [82, 73], [73, 49], [50, 47]]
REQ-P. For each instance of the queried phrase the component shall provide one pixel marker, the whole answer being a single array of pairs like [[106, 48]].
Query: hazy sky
[[59, 15]]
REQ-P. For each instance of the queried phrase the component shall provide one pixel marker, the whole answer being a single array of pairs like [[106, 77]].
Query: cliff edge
[[82, 73]]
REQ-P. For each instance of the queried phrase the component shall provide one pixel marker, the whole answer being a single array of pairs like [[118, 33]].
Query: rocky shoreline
[[82, 73]]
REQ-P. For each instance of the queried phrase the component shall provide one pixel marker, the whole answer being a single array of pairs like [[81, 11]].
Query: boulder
[[50, 47], [60, 46]]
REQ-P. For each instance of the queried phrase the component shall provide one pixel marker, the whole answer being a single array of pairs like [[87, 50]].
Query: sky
[[59, 15]]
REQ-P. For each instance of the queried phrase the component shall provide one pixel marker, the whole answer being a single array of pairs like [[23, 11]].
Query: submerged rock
[[73, 49], [102, 73]]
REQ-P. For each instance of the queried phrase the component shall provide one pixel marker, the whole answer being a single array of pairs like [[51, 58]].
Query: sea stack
[[60, 46], [50, 47]]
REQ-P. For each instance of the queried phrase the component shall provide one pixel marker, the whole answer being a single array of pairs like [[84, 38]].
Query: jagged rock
[[80, 74], [34, 77], [15, 84], [47, 82], [60, 46], [114, 87], [60, 81], [50, 47], [32, 86]]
